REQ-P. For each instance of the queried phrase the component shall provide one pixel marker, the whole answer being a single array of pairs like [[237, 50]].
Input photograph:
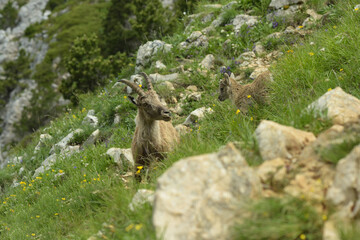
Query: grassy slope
[[91, 195]]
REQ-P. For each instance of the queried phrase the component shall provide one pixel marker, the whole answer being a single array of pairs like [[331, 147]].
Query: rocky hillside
[[284, 168]]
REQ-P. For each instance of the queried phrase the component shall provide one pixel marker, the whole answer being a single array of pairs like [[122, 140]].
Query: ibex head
[[148, 102], [225, 88]]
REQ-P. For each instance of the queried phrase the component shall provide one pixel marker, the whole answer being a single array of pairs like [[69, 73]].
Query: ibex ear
[[227, 79], [132, 99]]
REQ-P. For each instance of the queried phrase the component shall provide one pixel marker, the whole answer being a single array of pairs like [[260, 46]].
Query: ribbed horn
[[135, 87], [148, 80]]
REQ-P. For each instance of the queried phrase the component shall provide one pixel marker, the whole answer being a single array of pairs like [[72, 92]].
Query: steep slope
[[69, 188]]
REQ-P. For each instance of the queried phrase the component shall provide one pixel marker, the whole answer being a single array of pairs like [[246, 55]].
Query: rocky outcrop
[[12, 113], [196, 39], [198, 195]]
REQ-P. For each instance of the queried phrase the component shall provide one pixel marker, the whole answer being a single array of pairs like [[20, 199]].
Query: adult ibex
[[154, 133], [243, 96]]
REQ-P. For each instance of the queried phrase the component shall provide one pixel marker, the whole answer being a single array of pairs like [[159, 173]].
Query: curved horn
[[226, 75], [148, 80], [135, 87]]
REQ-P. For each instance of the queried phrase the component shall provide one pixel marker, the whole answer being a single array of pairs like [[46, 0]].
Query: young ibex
[[243, 96], [154, 134]]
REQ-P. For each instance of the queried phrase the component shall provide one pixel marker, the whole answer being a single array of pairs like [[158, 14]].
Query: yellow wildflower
[[125, 97], [286, 7], [37, 216], [251, 119], [341, 69], [300, 26], [30, 185], [324, 217], [12, 210], [213, 105], [128, 228], [138, 171], [356, 9], [140, 85], [33, 234], [329, 89], [140, 167], [22, 183], [302, 237], [63, 199], [138, 226], [56, 214], [237, 111], [39, 178], [74, 116], [248, 96], [311, 53], [4, 202], [83, 110], [61, 171], [334, 27]]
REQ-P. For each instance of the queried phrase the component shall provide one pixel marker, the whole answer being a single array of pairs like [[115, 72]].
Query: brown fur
[[154, 133], [238, 94]]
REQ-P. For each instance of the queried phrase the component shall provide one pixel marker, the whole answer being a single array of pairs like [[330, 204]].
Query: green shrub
[[128, 23], [52, 4], [88, 69], [273, 219], [13, 72], [9, 16]]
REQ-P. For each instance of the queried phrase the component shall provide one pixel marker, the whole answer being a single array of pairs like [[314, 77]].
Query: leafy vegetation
[[88, 69], [274, 218], [8, 16], [87, 192]]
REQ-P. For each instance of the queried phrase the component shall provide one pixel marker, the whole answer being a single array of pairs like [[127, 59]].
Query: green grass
[[273, 219], [70, 208]]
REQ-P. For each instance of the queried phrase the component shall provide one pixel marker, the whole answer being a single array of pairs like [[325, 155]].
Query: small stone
[[141, 197], [208, 62], [159, 65], [192, 88], [197, 115], [278, 141]]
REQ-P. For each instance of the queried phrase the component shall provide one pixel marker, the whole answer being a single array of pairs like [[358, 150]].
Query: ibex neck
[[147, 128]]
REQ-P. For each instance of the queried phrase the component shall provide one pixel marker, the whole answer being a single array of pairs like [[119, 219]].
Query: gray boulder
[[147, 52], [200, 197]]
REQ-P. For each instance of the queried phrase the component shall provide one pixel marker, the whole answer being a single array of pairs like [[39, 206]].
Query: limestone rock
[[156, 77], [197, 115], [243, 19], [196, 39], [330, 231], [65, 141], [147, 51], [43, 139], [259, 49], [276, 140], [208, 62], [123, 157], [195, 96], [141, 197], [12, 113], [91, 119], [192, 88], [281, 3], [267, 170], [91, 140], [169, 86], [258, 71], [341, 107], [159, 65], [199, 197], [282, 13], [313, 14], [345, 192]]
